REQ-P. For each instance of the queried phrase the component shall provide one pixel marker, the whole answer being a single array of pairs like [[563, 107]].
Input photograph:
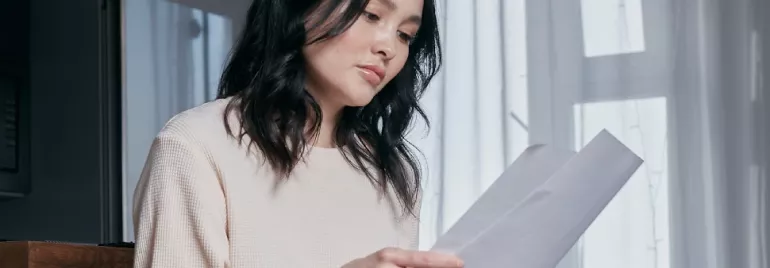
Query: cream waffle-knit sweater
[[204, 201]]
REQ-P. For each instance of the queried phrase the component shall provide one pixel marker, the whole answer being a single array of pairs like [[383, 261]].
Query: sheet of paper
[[539, 230], [539, 162]]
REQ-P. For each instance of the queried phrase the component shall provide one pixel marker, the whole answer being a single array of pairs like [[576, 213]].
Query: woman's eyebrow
[[390, 5]]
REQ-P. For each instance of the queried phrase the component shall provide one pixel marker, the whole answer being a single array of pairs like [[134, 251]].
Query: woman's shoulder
[[193, 137], [201, 124]]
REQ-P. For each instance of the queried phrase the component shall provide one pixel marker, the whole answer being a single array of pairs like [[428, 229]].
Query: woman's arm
[[179, 209]]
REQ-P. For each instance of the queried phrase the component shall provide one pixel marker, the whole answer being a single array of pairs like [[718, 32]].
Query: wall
[[75, 119]]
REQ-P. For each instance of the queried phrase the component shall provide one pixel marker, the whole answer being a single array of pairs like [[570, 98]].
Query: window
[[632, 231], [604, 64], [209, 50], [612, 27]]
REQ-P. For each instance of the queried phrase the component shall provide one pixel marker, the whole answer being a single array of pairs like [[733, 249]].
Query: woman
[[302, 161]]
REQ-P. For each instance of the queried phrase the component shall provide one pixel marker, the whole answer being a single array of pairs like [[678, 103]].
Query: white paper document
[[541, 205]]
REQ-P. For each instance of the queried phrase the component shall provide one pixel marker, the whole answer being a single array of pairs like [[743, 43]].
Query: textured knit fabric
[[204, 200]]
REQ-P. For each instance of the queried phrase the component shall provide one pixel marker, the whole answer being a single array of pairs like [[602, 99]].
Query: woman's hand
[[399, 258]]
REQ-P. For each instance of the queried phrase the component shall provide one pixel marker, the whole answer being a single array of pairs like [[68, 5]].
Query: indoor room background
[[678, 81], [683, 83]]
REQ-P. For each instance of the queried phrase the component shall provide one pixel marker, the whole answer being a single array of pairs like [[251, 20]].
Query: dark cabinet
[[60, 136], [14, 99]]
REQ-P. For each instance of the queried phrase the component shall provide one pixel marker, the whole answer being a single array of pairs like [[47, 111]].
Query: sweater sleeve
[[179, 208], [414, 222]]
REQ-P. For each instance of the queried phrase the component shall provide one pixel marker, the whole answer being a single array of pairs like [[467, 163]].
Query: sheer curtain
[[173, 55], [678, 81]]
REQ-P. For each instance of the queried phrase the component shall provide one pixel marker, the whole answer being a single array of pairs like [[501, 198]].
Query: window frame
[[559, 78]]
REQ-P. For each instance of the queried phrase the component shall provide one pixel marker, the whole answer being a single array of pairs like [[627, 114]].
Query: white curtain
[[678, 81], [173, 55]]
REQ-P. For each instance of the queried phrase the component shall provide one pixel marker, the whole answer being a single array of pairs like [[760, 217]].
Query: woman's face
[[349, 69]]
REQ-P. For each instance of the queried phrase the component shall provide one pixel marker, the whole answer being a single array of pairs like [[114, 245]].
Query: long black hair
[[265, 75]]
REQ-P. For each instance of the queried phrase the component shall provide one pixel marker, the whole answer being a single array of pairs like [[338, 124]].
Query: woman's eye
[[371, 16], [405, 37]]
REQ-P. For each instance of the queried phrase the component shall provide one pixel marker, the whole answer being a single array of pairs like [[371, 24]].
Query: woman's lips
[[372, 74]]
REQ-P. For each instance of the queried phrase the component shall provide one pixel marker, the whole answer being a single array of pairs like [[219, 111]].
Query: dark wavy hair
[[265, 75]]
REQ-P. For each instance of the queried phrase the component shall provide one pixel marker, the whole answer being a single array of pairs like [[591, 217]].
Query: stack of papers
[[540, 206]]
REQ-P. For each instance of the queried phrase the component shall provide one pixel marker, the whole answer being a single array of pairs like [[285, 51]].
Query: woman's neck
[[325, 137], [330, 114], [326, 132]]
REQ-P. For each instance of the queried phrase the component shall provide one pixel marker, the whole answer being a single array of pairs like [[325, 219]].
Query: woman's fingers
[[417, 259]]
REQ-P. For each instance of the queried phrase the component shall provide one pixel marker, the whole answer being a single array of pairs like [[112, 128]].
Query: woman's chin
[[360, 100]]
